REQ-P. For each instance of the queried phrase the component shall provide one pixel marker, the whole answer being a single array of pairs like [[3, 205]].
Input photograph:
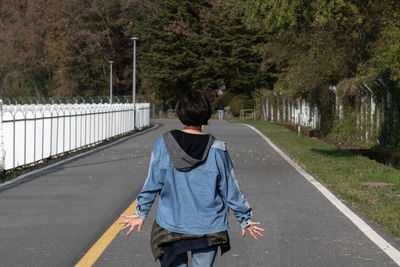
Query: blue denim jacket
[[196, 201]]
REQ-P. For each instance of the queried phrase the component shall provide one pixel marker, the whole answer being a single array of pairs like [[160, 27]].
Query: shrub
[[240, 102]]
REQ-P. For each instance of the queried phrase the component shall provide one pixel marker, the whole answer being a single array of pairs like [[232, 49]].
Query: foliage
[[298, 48], [240, 102], [317, 43], [170, 55], [195, 44], [387, 52], [62, 48], [225, 99]]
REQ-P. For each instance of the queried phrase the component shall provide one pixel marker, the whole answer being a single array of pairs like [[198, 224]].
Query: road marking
[[104, 241], [392, 252]]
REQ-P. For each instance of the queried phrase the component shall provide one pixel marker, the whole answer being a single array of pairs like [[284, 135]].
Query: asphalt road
[[56, 216]]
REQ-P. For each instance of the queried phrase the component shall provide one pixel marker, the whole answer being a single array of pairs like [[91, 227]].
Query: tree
[[314, 44], [59, 48], [82, 42], [232, 46], [385, 60], [24, 68], [195, 44], [170, 54]]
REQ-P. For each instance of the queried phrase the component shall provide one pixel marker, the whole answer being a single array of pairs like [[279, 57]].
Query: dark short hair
[[194, 109]]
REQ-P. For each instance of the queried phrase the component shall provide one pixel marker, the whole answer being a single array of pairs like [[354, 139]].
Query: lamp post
[[134, 70], [134, 79], [111, 62]]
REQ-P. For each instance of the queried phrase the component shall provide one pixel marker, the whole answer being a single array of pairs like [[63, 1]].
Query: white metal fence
[[30, 133], [371, 114], [296, 111]]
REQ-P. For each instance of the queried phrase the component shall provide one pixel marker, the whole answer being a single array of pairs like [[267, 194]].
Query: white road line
[[392, 252], [21, 177]]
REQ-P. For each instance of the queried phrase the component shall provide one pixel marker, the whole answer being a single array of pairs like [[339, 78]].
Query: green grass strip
[[362, 182]]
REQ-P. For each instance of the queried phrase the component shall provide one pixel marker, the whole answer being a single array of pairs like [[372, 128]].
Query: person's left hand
[[132, 221], [253, 229]]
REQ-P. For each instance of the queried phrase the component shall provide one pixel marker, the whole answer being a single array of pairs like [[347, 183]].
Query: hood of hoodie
[[179, 157]]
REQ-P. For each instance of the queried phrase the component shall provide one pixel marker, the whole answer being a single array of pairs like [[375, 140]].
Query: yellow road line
[[98, 248]]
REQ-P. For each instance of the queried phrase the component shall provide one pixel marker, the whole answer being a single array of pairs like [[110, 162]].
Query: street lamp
[[134, 80], [111, 62], [134, 70]]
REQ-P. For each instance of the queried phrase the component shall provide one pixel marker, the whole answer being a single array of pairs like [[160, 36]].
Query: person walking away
[[194, 177], [220, 109]]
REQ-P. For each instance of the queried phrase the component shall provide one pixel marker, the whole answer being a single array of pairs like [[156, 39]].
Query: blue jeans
[[220, 114], [204, 257]]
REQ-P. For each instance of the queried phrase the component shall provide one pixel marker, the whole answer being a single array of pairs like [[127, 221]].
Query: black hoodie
[[187, 150]]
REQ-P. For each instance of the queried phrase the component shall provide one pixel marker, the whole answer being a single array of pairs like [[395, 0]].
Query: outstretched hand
[[253, 230], [132, 221]]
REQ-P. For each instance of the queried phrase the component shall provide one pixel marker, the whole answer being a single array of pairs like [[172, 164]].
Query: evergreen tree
[[232, 45], [195, 44], [170, 56]]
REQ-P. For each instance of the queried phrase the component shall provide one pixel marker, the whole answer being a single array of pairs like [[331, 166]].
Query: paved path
[[55, 218]]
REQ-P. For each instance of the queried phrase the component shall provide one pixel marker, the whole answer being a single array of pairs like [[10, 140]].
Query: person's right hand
[[132, 221], [253, 230]]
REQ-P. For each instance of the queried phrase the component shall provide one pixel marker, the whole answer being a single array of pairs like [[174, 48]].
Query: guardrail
[[31, 133]]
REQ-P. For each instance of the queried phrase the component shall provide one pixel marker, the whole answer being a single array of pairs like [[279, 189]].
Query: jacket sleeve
[[229, 189], [151, 187]]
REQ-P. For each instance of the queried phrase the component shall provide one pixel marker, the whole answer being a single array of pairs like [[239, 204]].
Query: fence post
[[76, 128], [293, 111], [34, 137], [58, 116], [284, 109], [25, 137], [278, 111], [81, 129], [43, 133], [90, 124], [2, 158], [51, 131], [98, 122], [85, 127], [70, 129], [272, 112], [14, 140], [361, 118], [263, 111], [298, 111], [371, 111]]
